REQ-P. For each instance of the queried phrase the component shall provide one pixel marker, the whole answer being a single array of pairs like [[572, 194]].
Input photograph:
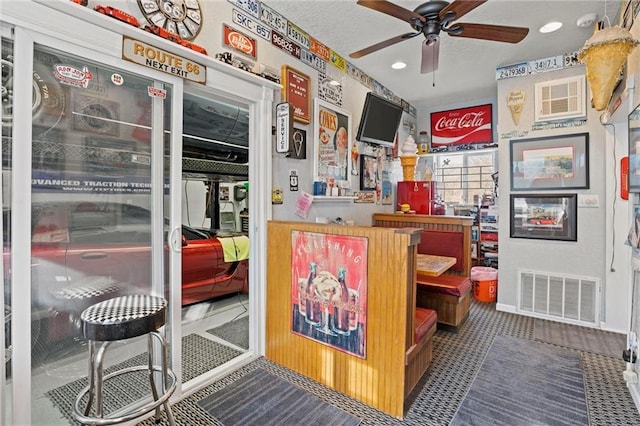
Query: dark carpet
[[523, 382], [235, 332], [199, 356], [260, 398], [457, 357], [582, 338]]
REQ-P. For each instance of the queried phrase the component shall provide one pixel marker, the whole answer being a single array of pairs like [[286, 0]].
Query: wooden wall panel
[[378, 380]]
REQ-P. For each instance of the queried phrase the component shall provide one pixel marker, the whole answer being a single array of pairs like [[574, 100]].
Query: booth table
[[430, 265]]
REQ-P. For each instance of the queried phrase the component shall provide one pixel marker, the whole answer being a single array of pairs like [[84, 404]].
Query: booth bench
[[448, 294]]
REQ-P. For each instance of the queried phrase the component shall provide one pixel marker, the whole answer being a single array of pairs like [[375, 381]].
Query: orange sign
[[239, 41], [319, 49]]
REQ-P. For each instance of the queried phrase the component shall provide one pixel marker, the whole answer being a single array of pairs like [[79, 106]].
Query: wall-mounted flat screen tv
[[379, 121]]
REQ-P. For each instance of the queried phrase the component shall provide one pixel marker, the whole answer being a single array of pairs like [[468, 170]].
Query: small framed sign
[[284, 126], [296, 90]]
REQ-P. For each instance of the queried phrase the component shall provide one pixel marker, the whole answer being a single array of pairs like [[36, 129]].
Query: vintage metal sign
[[462, 126], [240, 42], [273, 19], [313, 60], [161, 60], [319, 49], [337, 61], [250, 6], [251, 24], [282, 43], [296, 34]]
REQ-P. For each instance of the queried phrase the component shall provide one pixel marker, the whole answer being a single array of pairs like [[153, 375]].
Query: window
[[463, 178]]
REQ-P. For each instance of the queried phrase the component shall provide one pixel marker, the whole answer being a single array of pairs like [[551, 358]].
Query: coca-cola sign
[[462, 126]]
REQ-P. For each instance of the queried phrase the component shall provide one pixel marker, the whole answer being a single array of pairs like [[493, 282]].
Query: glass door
[[100, 216]]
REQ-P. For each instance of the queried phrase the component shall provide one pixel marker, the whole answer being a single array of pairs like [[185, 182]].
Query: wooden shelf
[[327, 199]]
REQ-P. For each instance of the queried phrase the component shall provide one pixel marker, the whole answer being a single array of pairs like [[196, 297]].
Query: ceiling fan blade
[[392, 10], [430, 56], [460, 7], [491, 32], [382, 44]]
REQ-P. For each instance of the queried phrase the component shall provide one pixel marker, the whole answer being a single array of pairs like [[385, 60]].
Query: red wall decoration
[[462, 126]]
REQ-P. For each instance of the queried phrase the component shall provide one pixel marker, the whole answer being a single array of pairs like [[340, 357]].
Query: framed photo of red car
[[296, 89], [555, 162], [544, 216], [464, 126]]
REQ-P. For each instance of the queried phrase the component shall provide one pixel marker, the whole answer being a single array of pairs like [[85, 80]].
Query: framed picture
[[332, 141], [296, 89], [368, 172], [557, 162], [634, 150], [544, 216]]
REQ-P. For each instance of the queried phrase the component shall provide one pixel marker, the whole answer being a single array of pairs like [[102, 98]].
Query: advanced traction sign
[[161, 60]]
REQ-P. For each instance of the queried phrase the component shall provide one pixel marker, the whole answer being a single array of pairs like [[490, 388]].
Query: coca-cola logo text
[[465, 121]]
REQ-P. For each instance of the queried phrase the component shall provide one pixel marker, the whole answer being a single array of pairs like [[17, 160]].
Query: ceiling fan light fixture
[[550, 27], [398, 65]]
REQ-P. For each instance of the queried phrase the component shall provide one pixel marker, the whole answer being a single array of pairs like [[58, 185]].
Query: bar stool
[[118, 319]]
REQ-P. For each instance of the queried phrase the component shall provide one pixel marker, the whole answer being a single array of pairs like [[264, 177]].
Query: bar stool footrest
[[146, 408]]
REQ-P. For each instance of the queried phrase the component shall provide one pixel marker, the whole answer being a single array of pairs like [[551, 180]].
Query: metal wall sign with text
[[284, 126]]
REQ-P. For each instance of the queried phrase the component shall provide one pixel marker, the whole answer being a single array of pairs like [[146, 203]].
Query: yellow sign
[[337, 61], [161, 60]]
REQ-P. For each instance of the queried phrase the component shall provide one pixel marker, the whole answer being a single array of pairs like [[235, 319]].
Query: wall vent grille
[[560, 297], [561, 99]]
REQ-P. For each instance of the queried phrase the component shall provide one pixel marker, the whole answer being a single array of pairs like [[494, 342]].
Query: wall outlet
[[588, 200]]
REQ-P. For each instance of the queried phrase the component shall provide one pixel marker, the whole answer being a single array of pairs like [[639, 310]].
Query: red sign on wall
[[296, 90], [462, 126], [239, 41]]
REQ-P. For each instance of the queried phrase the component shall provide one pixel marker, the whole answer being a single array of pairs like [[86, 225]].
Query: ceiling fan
[[437, 16]]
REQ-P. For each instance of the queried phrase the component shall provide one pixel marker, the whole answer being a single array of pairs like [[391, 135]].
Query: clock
[[181, 17]]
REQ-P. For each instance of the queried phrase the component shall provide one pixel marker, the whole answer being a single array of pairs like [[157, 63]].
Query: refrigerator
[[419, 194]]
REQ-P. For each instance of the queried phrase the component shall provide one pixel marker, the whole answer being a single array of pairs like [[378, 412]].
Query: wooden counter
[[384, 377], [460, 224]]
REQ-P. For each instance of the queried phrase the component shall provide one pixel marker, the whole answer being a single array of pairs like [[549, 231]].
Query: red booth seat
[[425, 320], [454, 285]]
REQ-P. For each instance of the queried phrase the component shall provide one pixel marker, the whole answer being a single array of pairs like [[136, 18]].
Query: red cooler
[[419, 194]]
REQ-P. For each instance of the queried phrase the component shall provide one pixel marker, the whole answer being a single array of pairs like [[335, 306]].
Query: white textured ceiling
[[467, 66]]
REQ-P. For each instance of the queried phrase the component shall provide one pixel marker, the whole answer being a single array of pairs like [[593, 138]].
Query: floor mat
[[582, 338], [235, 332], [523, 382], [260, 398]]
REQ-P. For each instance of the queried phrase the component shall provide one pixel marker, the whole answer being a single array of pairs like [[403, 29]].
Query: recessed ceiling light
[[550, 27], [398, 65]]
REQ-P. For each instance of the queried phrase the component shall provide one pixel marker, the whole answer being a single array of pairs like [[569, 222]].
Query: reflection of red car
[[118, 14], [83, 247]]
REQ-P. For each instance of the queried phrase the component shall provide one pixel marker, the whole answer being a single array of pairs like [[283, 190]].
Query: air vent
[[560, 99], [564, 298]]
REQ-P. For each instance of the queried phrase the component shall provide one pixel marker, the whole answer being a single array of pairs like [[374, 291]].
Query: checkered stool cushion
[[85, 292], [123, 317]]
